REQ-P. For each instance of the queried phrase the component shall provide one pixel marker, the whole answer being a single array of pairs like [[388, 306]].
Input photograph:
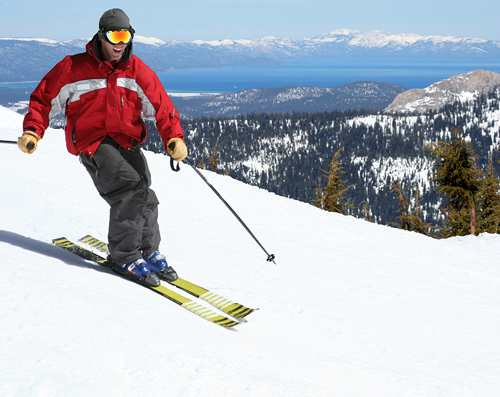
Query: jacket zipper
[[73, 137]]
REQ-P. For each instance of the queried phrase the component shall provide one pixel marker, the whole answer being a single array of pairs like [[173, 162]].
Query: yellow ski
[[181, 300], [234, 309]]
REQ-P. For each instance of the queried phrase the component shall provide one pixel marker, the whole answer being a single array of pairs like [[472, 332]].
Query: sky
[[190, 20]]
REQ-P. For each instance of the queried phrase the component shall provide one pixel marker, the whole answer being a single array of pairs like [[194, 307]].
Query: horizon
[[222, 19], [158, 41]]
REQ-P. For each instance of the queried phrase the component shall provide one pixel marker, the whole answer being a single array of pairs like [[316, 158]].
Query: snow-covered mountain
[[381, 39], [464, 87], [346, 41], [350, 309], [357, 95], [288, 153], [28, 59]]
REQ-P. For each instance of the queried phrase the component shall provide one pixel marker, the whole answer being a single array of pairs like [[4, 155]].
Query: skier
[[104, 91]]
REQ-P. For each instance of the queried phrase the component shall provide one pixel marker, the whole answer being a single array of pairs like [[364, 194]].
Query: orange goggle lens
[[119, 36]]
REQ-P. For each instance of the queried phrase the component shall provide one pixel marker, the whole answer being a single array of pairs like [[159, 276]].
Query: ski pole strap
[[173, 166], [270, 257]]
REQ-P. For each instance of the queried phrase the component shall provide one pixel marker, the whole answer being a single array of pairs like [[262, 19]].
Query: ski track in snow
[[350, 309]]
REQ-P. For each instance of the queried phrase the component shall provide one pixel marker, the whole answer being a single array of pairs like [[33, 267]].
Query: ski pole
[[270, 257], [30, 145]]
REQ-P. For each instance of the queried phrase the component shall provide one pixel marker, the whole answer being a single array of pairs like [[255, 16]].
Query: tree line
[[389, 161]]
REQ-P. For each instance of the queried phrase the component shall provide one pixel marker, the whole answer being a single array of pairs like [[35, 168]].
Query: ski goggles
[[119, 36]]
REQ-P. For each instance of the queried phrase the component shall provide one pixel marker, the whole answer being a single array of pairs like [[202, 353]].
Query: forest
[[287, 153]]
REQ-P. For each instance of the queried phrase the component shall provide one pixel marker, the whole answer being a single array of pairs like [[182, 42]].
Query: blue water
[[325, 73], [318, 73]]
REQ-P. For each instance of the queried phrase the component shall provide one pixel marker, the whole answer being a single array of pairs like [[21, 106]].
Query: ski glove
[[28, 142], [177, 149]]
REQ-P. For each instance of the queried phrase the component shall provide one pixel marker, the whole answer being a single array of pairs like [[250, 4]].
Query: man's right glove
[[177, 149], [28, 142]]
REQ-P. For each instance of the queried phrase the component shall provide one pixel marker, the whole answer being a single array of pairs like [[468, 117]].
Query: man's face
[[112, 52]]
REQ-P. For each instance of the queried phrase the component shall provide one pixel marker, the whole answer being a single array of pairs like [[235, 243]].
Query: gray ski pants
[[122, 178]]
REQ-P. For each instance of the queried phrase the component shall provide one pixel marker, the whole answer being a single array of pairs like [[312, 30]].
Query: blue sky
[[188, 20]]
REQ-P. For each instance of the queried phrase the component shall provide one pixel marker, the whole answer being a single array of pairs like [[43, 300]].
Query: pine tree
[[489, 201], [456, 175], [410, 220], [416, 217], [365, 211], [331, 197], [318, 201], [212, 159], [404, 218], [201, 164]]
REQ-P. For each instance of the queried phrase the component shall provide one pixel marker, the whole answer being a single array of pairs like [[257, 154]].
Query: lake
[[322, 73], [325, 73]]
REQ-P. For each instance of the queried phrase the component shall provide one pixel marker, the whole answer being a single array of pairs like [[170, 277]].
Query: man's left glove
[[28, 142], [177, 149]]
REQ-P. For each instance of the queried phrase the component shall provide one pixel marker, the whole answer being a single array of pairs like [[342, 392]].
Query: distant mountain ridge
[[357, 95], [347, 41], [27, 59]]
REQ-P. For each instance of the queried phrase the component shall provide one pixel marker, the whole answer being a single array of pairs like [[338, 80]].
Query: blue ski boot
[[140, 270], [158, 264]]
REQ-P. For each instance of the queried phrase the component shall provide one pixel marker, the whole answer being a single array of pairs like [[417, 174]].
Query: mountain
[[29, 59], [358, 95], [361, 94], [348, 44], [463, 87], [288, 153], [350, 309]]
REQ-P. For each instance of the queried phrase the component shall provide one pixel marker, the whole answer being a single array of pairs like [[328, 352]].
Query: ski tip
[[84, 237]]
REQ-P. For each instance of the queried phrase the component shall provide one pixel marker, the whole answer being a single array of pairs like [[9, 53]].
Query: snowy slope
[[350, 309]]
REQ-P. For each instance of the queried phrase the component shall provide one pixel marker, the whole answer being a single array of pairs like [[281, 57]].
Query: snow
[[42, 40], [350, 309], [217, 43], [149, 40], [378, 39]]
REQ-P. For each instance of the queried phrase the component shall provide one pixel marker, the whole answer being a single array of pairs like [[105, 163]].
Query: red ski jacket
[[102, 99]]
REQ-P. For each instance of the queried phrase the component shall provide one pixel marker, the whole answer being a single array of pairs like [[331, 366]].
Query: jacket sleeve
[[157, 106], [48, 99]]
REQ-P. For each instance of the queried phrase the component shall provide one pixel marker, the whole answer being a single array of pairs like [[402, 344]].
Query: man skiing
[[104, 91]]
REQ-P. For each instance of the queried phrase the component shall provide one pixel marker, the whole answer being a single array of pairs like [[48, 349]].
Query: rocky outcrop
[[456, 88]]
